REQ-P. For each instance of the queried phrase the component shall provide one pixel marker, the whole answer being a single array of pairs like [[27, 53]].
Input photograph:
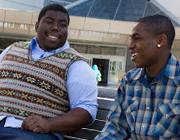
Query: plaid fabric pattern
[[144, 109]]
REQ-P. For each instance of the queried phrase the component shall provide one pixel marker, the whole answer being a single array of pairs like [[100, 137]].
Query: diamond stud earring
[[158, 45]]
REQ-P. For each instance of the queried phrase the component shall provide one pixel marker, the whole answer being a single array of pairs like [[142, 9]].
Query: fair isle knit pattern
[[34, 87]]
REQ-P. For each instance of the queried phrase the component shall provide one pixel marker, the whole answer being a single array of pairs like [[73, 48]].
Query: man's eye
[[49, 21], [136, 37], [63, 25]]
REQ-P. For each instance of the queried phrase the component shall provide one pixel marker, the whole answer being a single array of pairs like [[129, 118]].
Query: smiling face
[[143, 46], [52, 30]]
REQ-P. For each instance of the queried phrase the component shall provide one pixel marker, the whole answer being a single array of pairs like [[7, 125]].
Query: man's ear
[[36, 26], [162, 40]]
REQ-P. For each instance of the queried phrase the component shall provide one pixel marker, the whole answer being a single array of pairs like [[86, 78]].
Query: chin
[[53, 46], [137, 65]]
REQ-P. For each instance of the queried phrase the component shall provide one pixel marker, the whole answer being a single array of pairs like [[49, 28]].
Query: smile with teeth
[[53, 38], [133, 56]]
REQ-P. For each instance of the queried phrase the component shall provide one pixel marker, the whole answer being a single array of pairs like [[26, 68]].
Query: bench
[[89, 132]]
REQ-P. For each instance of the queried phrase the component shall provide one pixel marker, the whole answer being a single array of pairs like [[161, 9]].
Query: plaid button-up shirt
[[144, 109]]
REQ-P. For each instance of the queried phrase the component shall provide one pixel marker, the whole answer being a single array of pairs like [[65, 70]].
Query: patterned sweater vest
[[34, 87]]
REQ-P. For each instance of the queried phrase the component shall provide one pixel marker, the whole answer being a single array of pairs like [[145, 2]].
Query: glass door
[[114, 69]]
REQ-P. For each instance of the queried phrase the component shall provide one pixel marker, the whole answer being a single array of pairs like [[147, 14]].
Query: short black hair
[[53, 7], [160, 24]]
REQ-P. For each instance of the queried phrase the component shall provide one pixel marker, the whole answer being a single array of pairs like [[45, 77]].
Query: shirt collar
[[170, 69], [38, 53], [140, 73]]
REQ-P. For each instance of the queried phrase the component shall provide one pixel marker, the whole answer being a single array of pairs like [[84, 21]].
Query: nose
[[131, 44], [55, 26]]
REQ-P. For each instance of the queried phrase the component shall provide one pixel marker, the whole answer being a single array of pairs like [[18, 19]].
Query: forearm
[[71, 121]]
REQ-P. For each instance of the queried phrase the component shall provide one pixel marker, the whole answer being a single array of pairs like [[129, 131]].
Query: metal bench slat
[[89, 132]]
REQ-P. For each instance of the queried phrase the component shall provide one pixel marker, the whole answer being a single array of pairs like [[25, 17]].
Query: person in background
[[46, 87], [147, 106], [97, 72]]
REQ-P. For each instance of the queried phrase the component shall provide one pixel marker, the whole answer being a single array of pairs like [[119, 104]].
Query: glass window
[[114, 69]]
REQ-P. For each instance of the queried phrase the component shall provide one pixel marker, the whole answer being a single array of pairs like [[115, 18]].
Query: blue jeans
[[8, 133]]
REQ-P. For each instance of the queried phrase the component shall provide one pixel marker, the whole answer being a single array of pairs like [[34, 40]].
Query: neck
[[154, 69]]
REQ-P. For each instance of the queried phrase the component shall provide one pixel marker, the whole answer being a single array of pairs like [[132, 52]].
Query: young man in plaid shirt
[[147, 106]]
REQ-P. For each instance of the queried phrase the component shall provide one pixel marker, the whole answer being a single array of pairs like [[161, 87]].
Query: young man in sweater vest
[[46, 87]]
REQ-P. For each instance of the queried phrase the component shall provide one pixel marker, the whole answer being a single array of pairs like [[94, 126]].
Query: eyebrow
[[61, 20], [134, 34], [48, 17]]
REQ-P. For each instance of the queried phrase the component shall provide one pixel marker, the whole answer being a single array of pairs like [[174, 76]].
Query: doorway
[[103, 66]]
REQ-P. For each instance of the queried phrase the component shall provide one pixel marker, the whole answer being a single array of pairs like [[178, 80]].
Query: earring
[[158, 45]]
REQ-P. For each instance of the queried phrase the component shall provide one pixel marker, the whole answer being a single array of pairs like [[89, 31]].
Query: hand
[[36, 124]]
